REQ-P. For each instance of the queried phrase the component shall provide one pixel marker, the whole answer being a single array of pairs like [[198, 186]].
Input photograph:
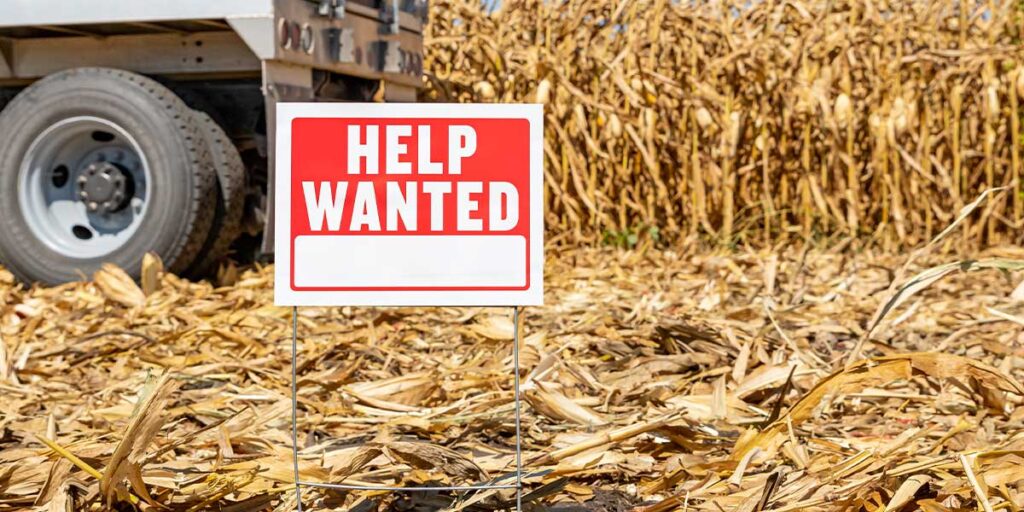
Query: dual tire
[[101, 165]]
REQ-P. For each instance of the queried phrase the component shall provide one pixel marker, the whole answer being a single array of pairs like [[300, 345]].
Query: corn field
[[743, 122]]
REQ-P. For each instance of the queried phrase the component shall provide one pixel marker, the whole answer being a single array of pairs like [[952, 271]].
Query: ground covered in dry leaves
[[653, 379]]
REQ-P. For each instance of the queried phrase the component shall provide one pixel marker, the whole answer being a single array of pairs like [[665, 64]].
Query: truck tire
[[230, 201], [101, 165]]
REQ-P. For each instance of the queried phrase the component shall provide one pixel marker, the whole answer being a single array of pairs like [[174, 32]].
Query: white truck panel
[[15, 13]]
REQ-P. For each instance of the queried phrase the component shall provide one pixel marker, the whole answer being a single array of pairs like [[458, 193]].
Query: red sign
[[408, 204]]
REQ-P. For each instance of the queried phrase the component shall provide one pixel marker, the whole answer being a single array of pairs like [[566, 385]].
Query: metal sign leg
[[519, 438], [295, 408], [518, 486]]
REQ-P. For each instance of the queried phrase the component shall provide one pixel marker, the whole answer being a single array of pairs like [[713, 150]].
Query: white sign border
[[284, 295]]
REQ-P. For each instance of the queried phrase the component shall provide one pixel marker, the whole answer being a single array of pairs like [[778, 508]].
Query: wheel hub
[[84, 187], [104, 187]]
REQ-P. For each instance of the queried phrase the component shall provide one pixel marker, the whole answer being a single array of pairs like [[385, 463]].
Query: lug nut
[[93, 206]]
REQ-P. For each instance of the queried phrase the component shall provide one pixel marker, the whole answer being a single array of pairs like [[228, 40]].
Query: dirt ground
[[652, 379]]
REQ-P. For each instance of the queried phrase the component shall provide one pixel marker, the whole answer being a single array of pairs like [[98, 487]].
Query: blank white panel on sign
[[427, 262]]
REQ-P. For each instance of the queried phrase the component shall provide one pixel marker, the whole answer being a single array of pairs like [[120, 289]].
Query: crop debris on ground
[[653, 380]]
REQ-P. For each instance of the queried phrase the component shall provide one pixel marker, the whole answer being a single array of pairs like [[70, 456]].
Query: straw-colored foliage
[[652, 380], [741, 121]]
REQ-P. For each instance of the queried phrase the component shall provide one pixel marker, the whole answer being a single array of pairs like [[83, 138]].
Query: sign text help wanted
[[405, 204]]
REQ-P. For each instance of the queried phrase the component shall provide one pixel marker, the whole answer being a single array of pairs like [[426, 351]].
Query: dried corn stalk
[[741, 120]]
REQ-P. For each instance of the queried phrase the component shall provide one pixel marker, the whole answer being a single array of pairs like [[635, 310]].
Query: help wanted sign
[[408, 204]]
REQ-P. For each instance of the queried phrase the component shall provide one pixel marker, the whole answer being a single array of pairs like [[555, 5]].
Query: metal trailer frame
[[283, 43], [343, 36]]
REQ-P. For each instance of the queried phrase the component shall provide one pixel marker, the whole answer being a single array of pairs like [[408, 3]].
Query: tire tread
[[196, 220]]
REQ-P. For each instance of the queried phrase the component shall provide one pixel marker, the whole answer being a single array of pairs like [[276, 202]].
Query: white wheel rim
[[54, 187]]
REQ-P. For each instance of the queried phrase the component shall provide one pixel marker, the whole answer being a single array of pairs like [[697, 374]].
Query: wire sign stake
[[518, 485], [409, 205]]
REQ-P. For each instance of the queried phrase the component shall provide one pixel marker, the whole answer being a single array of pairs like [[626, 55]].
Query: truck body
[[229, 60]]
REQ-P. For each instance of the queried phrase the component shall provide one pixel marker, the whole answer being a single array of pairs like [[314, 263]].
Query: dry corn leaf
[[117, 285], [557, 406], [152, 273], [146, 421]]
